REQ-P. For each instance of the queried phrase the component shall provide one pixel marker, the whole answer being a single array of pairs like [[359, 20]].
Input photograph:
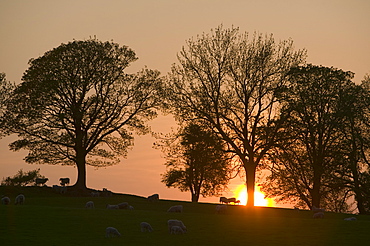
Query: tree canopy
[[76, 105], [306, 162]]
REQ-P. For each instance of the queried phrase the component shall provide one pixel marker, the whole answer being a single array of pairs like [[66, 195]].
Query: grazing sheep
[[60, 189], [106, 192], [172, 223], [224, 200], [112, 206], [175, 209], [316, 210], [90, 204], [112, 232], [20, 199], [130, 207], [5, 200], [176, 230], [318, 215], [350, 219], [221, 209], [95, 194], [146, 227], [123, 205], [64, 181], [233, 200], [41, 181], [153, 198]]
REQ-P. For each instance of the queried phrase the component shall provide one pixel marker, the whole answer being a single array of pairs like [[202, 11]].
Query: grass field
[[53, 219]]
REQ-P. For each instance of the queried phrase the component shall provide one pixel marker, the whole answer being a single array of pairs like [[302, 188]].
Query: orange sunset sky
[[335, 33]]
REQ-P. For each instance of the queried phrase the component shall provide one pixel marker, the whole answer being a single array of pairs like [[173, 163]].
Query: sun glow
[[259, 197]]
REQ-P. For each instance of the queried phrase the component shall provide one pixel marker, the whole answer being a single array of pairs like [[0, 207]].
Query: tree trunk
[[194, 197], [315, 192], [250, 169], [81, 171]]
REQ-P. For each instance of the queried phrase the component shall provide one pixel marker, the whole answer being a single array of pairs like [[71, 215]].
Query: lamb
[[64, 181], [90, 204], [60, 189], [40, 181], [20, 199], [175, 209], [318, 215], [177, 230], [5, 200], [350, 219], [316, 210], [112, 232], [112, 206], [153, 198], [146, 227], [178, 223], [221, 209], [123, 205], [95, 194]]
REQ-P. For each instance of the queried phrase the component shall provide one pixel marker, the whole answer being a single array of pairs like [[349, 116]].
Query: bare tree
[[229, 81]]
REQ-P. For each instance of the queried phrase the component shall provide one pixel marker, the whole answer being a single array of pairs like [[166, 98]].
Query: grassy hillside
[[52, 219]]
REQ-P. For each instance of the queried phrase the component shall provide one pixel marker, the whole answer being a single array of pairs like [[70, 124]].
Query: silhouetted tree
[[196, 162], [229, 81], [6, 89], [304, 168], [22, 178], [356, 145], [77, 106]]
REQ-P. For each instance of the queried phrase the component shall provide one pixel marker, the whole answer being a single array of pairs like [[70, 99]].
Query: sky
[[335, 33]]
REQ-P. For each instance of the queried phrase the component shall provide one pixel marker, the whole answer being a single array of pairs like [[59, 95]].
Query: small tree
[[196, 162], [22, 178], [77, 106]]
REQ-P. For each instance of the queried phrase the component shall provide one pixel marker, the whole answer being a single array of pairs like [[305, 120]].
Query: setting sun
[[259, 197]]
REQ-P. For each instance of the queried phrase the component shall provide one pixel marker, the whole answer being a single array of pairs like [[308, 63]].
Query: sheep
[[153, 198], [130, 207], [40, 181], [316, 210], [112, 206], [221, 209], [64, 181], [95, 194], [175, 209], [90, 204], [60, 189], [146, 227], [224, 200], [318, 215], [172, 223], [123, 205], [20, 199], [112, 232], [233, 200], [5, 200], [106, 192], [177, 230], [350, 219]]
